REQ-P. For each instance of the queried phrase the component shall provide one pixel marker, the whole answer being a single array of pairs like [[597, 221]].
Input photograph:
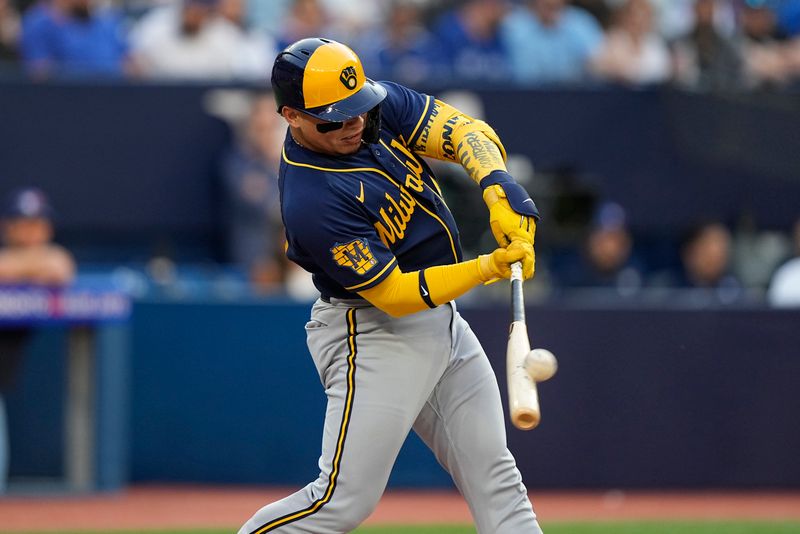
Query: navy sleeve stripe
[[423, 290], [422, 120]]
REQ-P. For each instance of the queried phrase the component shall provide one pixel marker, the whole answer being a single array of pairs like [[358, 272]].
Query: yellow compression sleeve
[[450, 135], [405, 293]]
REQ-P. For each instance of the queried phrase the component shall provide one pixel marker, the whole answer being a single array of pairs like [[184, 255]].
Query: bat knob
[[540, 364]]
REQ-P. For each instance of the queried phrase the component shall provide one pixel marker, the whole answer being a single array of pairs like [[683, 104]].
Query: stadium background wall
[[225, 393], [134, 168]]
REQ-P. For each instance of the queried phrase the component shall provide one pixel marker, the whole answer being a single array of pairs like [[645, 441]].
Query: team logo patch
[[355, 254], [348, 77]]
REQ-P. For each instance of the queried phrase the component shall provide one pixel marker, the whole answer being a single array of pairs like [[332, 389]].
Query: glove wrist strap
[[496, 177], [516, 195]]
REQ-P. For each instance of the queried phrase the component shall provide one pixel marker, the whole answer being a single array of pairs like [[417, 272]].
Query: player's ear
[[291, 115]]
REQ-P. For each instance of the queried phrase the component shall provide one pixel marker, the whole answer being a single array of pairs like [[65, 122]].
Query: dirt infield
[[143, 507]]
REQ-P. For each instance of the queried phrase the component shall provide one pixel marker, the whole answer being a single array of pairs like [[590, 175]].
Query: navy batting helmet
[[324, 79]]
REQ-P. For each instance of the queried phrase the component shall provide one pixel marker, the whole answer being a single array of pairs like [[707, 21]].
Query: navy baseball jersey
[[374, 210]]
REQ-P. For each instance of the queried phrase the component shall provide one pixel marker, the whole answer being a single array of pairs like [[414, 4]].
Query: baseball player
[[364, 214]]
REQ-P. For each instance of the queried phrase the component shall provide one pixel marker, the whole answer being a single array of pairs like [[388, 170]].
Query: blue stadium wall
[[226, 393]]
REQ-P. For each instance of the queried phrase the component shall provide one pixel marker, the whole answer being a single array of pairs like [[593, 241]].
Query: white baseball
[[540, 364]]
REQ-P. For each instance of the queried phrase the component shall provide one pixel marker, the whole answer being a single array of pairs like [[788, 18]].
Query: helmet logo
[[348, 77]]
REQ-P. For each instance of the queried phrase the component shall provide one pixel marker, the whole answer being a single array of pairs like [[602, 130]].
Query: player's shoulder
[[394, 89], [400, 95], [314, 186], [404, 109]]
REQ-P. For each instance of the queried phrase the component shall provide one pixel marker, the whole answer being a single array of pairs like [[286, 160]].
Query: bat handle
[[517, 300], [516, 271]]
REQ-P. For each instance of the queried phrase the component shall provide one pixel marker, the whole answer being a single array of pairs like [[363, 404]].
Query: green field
[[682, 527]]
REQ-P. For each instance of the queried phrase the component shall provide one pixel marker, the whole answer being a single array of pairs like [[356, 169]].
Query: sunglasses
[[327, 127]]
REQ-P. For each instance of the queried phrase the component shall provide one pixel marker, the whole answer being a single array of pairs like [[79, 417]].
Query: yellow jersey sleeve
[[450, 135]]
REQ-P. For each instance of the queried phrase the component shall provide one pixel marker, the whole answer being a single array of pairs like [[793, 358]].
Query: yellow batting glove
[[498, 263], [528, 259], [506, 223]]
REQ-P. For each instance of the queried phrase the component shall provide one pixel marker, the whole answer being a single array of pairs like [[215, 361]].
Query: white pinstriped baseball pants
[[384, 376]]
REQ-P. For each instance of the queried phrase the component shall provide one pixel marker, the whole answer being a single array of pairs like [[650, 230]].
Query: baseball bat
[[523, 397]]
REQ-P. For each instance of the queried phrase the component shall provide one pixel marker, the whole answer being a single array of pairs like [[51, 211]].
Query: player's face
[[339, 142]]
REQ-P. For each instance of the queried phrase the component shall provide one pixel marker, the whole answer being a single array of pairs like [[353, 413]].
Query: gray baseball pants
[[384, 376]]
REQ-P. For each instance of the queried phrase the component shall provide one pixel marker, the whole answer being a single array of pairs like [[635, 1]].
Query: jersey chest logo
[[394, 217], [355, 255], [395, 214]]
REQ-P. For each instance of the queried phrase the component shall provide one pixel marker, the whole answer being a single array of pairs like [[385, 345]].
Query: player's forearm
[[406, 293], [479, 155]]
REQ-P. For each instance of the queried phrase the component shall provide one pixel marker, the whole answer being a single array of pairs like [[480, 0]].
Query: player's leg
[[377, 376], [463, 424]]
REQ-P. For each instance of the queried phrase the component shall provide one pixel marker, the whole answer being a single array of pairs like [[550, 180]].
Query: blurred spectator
[[767, 57], [704, 58], [27, 256], [784, 288], [190, 40], [9, 32], [672, 18], [788, 13], [267, 16], [757, 252], [758, 21], [468, 43], [401, 49], [675, 18], [550, 42], [304, 18], [134, 9], [706, 257], [257, 50], [250, 174], [599, 9], [607, 259], [349, 20], [74, 37], [632, 52]]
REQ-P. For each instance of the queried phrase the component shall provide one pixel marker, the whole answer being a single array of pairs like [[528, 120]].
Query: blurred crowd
[[713, 263], [698, 44], [703, 44]]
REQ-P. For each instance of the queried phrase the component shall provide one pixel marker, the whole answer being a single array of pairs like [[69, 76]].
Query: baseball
[[541, 364]]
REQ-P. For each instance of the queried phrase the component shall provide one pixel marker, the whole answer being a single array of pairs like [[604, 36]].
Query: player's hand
[[498, 263], [507, 224], [528, 259]]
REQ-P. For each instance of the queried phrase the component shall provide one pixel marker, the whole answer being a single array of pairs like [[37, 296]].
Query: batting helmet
[[324, 79]]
